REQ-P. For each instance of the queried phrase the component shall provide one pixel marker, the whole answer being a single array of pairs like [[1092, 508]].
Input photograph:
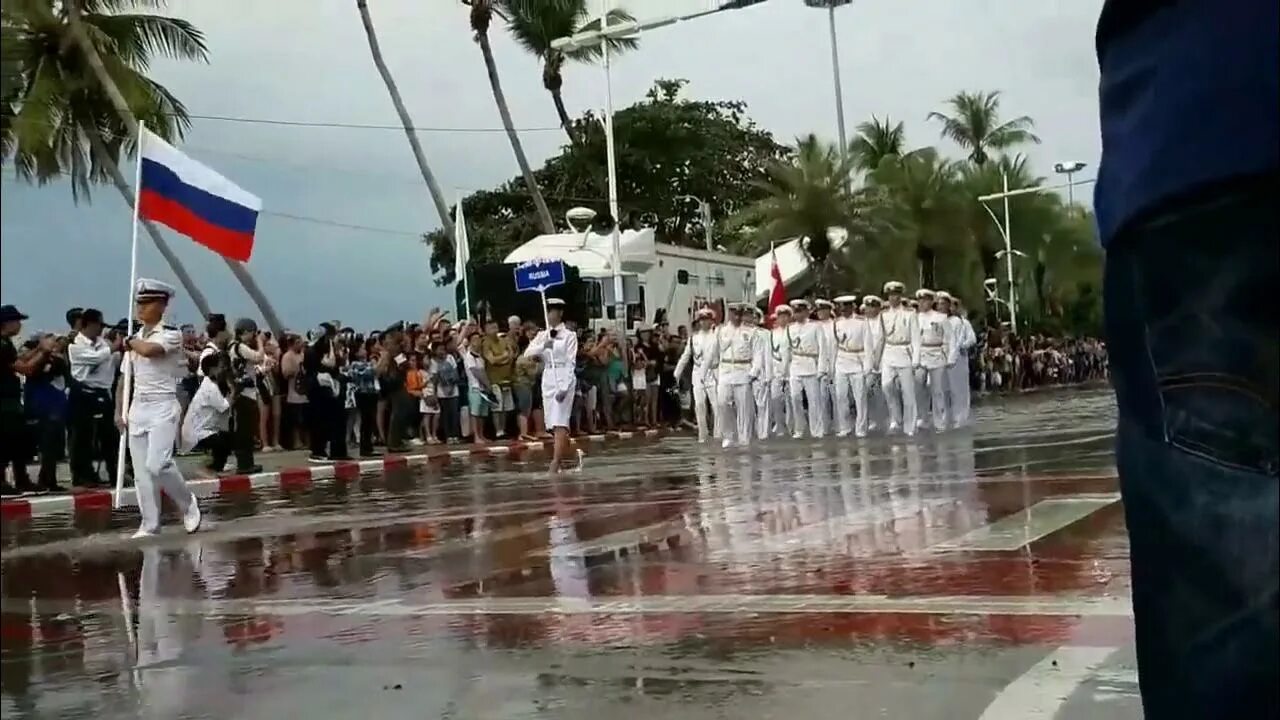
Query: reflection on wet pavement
[[933, 579]]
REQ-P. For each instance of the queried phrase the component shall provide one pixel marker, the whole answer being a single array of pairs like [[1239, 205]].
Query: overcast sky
[[295, 60]]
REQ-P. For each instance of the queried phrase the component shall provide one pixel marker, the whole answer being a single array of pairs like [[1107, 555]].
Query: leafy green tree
[[926, 201], [534, 24], [876, 140], [669, 148], [481, 17], [974, 124]]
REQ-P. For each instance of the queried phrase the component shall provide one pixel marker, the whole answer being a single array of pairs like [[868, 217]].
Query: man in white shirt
[[937, 354], [700, 351], [958, 374], [764, 358], [824, 316], [852, 362], [151, 413], [897, 364], [877, 408], [809, 364], [780, 420], [90, 403], [207, 423], [739, 365]]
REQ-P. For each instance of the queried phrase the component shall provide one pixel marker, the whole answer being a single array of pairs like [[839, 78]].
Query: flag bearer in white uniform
[[760, 383], [809, 364], [958, 375], [700, 350], [877, 409], [157, 361], [557, 348], [851, 367], [781, 421], [738, 365], [897, 366], [937, 354]]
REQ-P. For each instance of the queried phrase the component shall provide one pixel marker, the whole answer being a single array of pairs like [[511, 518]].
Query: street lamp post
[[619, 302], [1069, 169], [830, 6]]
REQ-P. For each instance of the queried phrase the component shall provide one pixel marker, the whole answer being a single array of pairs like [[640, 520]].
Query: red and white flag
[[778, 290]]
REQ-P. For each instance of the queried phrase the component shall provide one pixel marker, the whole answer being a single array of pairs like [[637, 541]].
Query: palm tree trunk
[[179, 270], [927, 257], [565, 122], [544, 215], [437, 196], [81, 37]]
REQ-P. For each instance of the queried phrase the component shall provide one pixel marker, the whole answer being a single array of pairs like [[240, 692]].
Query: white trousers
[[780, 420], [934, 396], [807, 388], [958, 385], [735, 413], [153, 426], [851, 404], [899, 386], [704, 399], [761, 390]]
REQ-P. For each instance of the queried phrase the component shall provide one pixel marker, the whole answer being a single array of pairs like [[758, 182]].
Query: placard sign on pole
[[539, 275]]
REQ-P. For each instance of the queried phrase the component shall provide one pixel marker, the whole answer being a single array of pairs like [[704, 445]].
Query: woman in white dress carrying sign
[[557, 348]]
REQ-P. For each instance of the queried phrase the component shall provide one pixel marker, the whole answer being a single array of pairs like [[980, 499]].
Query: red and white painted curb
[[289, 479]]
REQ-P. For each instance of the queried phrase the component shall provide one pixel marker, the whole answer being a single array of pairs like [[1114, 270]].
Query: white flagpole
[[126, 382]]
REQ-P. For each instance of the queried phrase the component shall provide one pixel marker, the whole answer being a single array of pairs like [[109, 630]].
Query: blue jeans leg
[[1192, 318]]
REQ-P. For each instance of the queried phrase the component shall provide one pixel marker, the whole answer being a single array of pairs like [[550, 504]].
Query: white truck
[[660, 281]]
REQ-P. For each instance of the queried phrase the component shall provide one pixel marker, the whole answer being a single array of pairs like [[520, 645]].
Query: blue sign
[[538, 275]]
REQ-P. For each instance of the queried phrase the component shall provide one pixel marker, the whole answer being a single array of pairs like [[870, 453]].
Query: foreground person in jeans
[[1186, 207]]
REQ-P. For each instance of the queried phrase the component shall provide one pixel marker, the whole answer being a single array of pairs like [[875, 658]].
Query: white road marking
[[1030, 524], [1039, 692]]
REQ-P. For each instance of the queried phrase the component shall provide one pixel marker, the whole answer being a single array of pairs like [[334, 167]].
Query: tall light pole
[[619, 302], [1069, 169], [830, 6], [1006, 233]]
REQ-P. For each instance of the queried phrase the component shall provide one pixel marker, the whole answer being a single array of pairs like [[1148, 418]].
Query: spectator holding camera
[[91, 405], [244, 359]]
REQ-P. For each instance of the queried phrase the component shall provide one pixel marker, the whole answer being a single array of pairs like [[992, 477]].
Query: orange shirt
[[414, 381]]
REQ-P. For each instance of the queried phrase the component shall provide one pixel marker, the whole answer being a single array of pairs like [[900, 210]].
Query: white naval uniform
[[958, 375], [854, 342], [760, 385], [739, 364], [826, 387], [897, 378], [780, 419], [153, 419], [809, 362], [559, 357], [877, 408], [701, 351], [937, 353]]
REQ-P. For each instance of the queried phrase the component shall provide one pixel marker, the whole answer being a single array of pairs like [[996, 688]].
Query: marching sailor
[[157, 360], [557, 348], [700, 350], [739, 365], [958, 375], [781, 421], [760, 382], [825, 311], [877, 409], [851, 368], [809, 364], [897, 366], [937, 354]]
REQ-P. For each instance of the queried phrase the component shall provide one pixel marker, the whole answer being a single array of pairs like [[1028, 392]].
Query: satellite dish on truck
[[580, 218]]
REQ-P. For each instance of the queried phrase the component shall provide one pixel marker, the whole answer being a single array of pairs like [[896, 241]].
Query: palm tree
[[535, 23], [876, 140], [922, 188], [428, 177], [57, 124], [974, 124], [482, 12], [808, 194]]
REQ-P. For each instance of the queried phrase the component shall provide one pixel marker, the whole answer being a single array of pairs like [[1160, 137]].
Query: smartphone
[[554, 333]]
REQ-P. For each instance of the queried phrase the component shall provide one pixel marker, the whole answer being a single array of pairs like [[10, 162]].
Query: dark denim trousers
[[1192, 313]]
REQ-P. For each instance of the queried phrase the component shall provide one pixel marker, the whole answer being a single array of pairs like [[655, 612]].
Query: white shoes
[[191, 518], [144, 533]]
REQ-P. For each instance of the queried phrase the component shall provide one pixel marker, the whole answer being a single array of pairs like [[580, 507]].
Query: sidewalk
[[285, 471]]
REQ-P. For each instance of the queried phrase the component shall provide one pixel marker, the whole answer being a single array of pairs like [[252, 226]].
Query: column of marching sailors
[[852, 366]]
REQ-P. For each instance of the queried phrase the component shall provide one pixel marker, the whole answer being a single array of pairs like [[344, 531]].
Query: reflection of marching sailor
[[937, 353], [739, 365], [557, 348], [809, 361], [701, 351], [780, 420], [157, 362], [958, 374], [898, 378], [854, 349], [761, 382]]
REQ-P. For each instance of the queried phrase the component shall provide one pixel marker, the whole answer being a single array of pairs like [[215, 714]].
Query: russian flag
[[191, 198]]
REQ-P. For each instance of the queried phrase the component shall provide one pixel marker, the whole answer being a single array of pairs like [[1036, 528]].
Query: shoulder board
[[169, 327]]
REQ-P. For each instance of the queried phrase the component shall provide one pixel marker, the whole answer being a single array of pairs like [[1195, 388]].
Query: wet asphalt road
[[977, 574]]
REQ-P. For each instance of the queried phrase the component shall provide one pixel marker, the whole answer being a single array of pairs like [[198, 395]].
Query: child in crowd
[[415, 382], [207, 425], [430, 403]]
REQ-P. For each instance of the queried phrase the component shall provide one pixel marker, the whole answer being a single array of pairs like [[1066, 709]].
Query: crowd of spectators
[[1011, 363]]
